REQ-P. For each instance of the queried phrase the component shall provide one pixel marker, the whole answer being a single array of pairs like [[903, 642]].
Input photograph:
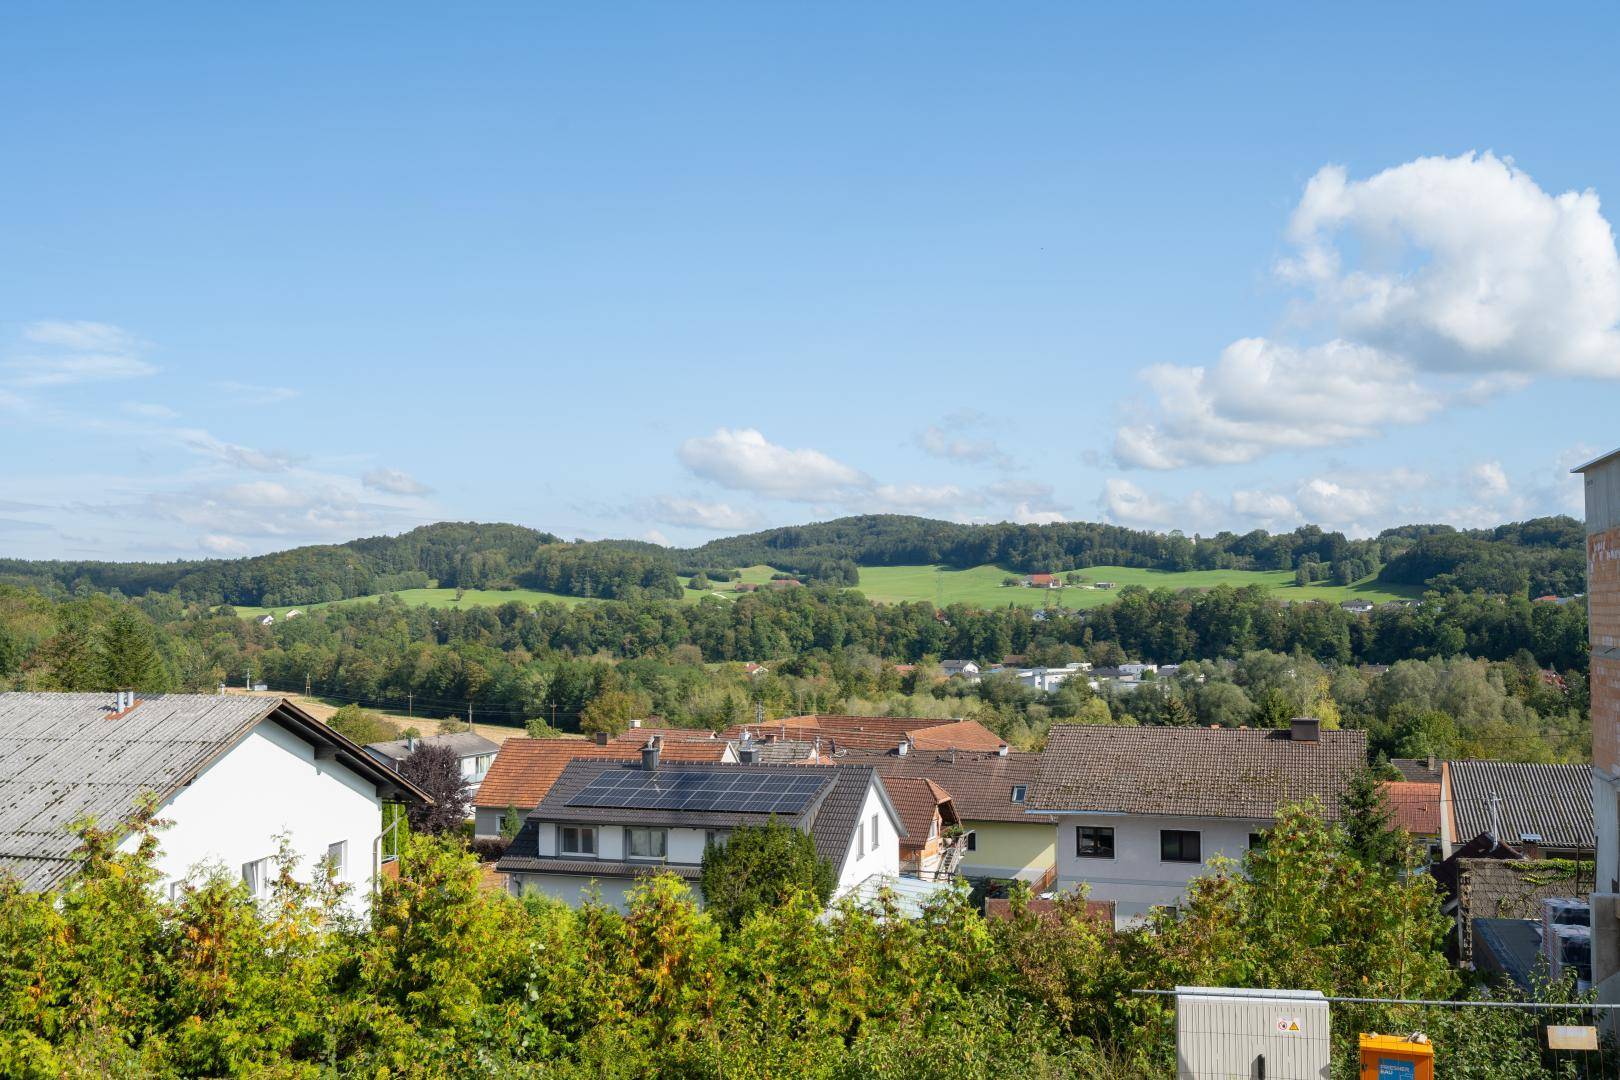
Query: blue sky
[[302, 273]]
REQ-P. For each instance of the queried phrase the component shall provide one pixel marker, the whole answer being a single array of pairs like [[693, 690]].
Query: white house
[[477, 753], [1141, 810], [965, 668], [1047, 679], [234, 774], [605, 824], [266, 620]]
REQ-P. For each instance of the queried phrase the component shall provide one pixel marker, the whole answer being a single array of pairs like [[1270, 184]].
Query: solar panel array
[[702, 790]]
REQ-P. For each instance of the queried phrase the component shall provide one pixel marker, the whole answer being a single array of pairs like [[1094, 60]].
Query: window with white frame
[[337, 860], [860, 841], [1018, 792], [874, 832], [576, 840], [256, 876], [646, 843]]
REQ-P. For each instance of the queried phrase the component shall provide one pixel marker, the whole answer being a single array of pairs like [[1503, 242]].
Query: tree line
[[110, 978]]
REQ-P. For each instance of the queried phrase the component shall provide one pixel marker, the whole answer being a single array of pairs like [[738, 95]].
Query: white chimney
[[635, 723], [1001, 751], [903, 748]]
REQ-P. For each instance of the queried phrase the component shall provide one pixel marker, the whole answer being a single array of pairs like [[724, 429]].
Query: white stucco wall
[[268, 785], [1136, 879], [863, 859]]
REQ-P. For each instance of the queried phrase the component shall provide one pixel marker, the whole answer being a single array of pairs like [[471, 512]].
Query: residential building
[[235, 776], [1141, 810], [1538, 809], [525, 769], [606, 824], [930, 849], [990, 792], [965, 668], [832, 733], [1415, 807], [1417, 770], [1048, 679], [477, 753], [1602, 476], [1042, 581], [1357, 607]]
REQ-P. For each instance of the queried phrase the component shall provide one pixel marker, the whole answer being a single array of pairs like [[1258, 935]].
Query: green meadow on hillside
[[982, 585], [943, 585]]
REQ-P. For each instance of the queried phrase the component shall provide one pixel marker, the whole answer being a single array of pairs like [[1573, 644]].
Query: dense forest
[[1522, 663], [1537, 557]]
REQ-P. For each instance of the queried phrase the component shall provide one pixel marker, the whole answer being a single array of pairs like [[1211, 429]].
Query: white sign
[[1287, 1024]]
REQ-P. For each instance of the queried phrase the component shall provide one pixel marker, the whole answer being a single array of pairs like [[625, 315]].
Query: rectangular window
[[715, 838], [874, 832], [646, 843], [576, 840], [860, 842], [177, 891], [1179, 845], [973, 841], [1018, 792], [337, 860], [256, 876], [1257, 840], [1093, 842]]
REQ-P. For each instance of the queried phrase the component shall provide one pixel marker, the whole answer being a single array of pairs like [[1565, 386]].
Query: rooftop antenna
[[1493, 803]]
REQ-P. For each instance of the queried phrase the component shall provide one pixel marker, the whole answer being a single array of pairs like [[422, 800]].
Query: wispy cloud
[[394, 482], [64, 353]]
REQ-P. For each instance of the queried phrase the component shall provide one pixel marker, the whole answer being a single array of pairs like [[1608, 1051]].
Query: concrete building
[[1603, 624], [1141, 810], [235, 775]]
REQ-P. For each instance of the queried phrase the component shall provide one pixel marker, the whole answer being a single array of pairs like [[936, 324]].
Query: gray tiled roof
[[830, 817], [518, 864], [464, 743], [1203, 772], [67, 756], [1553, 801]]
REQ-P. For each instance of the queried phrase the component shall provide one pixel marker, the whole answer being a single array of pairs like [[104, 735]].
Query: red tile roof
[[876, 732], [525, 769], [1415, 805], [917, 799]]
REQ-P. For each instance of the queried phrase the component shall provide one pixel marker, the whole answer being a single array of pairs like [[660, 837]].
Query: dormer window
[[1018, 793], [576, 840]]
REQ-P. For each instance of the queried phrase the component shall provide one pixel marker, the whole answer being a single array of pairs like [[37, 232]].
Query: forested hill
[[1544, 555], [452, 553]]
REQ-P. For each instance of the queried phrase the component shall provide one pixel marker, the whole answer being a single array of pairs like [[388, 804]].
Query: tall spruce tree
[[1371, 834], [126, 655]]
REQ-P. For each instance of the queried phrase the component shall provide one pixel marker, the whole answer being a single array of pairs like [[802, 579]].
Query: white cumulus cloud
[[1263, 396], [742, 459]]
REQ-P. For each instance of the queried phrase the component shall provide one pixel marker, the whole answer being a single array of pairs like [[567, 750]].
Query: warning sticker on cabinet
[[1287, 1023]]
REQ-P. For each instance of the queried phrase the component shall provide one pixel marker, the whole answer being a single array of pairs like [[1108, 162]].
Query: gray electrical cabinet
[[1225, 1034]]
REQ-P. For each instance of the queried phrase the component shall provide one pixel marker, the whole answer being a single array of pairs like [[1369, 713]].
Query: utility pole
[[469, 716], [553, 716], [759, 713], [306, 684], [247, 679], [410, 704]]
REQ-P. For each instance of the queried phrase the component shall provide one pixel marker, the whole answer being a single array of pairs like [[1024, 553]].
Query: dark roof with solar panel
[[822, 800], [703, 790]]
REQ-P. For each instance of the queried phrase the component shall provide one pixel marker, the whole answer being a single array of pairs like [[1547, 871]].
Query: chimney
[[1530, 845], [747, 754], [410, 744], [649, 753], [635, 723], [1431, 763], [123, 701], [1001, 751], [1305, 729], [903, 748], [601, 738]]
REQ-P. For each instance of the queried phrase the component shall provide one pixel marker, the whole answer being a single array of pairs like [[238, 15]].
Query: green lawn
[[432, 598], [944, 586], [982, 585]]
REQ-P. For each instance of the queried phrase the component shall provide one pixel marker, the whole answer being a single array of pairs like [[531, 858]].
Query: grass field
[[982, 586], [943, 585]]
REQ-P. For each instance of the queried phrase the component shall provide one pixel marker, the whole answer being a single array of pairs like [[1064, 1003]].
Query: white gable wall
[[863, 858], [267, 785]]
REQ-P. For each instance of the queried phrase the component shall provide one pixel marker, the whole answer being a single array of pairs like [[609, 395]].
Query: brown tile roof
[[1203, 772], [1552, 801], [1415, 806], [980, 784], [917, 799], [962, 735], [524, 769]]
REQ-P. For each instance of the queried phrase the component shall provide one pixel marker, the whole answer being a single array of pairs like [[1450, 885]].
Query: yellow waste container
[[1395, 1057]]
